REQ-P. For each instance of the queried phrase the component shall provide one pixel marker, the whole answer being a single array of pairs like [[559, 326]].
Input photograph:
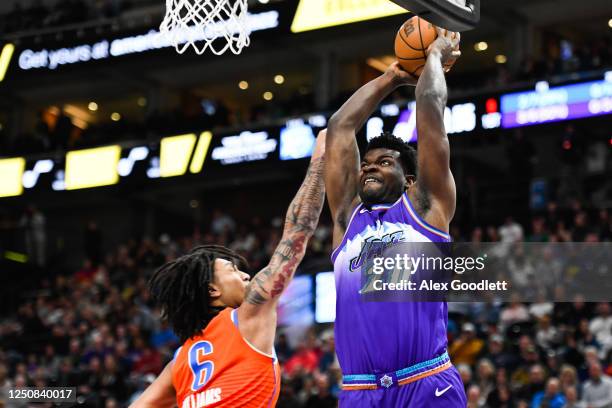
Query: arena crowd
[[98, 330]]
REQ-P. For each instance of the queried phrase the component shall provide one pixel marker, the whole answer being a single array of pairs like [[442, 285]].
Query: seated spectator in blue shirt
[[551, 397]]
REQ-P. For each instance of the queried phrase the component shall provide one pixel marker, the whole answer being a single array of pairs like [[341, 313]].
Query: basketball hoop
[[217, 25]]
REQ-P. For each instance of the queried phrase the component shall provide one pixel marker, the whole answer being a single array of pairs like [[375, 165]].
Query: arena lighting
[[5, 59], [295, 304], [325, 303], [245, 147], [92, 167], [16, 256], [126, 165], [316, 14], [296, 140], [59, 184], [457, 118], [377, 64], [374, 127], [12, 173], [30, 177], [104, 49], [268, 96], [542, 86], [92, 106], [200, 152], [501, 59], [175, 152], [481, 46], [279, 79], [317, 121], [559, 103], [492, 119], [243, 85], [389, 110], [153, 170]]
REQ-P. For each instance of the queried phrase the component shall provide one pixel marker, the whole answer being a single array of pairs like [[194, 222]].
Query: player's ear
[[410, 180], [214, 291]]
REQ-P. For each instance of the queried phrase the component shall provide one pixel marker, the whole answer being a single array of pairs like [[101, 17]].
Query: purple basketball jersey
[[375, 337]]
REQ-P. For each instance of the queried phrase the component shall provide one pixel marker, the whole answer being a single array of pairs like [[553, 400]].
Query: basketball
[[411, 43]]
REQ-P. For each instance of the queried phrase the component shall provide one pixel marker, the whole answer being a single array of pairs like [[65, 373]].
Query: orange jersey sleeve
[[219, 368]]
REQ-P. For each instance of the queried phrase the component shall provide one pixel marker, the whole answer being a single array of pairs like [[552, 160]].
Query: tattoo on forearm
[[300, 223]]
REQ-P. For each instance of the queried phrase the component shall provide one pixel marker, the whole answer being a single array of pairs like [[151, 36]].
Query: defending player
[[227, 323], [392, 354]]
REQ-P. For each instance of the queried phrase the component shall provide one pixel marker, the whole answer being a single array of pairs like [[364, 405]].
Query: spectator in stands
[[511, 231], [222, 223], [486, 379], [571, 399], [328, 354], [515, 312], [598, 389], [282, 347], [33, 224], [465, 371], [322, 398], [605, 225], [99, 334], [568, 377], [473, 397], [496, 353], [535, 384], [601, 327], [551, 397], [305, 359], [501, 396], [521, 269], [466, 348], [547, 335]]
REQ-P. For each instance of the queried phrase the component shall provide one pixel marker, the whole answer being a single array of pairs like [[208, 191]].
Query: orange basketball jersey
[[219, 368]]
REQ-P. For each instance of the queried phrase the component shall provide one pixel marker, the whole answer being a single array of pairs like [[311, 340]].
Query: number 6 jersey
[[219, 368]]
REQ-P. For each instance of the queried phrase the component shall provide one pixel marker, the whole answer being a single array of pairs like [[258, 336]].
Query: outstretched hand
[[447, 45], [401, 77]]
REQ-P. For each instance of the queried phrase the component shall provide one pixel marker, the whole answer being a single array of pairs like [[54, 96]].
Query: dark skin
[[382, 178], [434, 193], [256, 299]]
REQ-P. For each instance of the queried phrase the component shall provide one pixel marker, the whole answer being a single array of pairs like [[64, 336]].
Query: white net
[[217, 25]]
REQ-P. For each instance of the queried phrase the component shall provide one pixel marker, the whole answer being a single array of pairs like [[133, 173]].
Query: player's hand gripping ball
[[416, 38]]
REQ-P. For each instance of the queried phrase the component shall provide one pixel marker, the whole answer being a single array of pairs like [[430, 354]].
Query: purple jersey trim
[[377, 207], [422, 226]]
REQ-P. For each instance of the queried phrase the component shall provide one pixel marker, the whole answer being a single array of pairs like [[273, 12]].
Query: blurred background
[[117, 154]]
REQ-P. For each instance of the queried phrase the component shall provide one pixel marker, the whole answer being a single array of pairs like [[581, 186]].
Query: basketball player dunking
[[227, 322], [392, 354]]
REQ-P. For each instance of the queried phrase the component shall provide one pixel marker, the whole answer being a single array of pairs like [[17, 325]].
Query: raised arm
[[257, 314], [160, 393], [342, 164], [435, 184]]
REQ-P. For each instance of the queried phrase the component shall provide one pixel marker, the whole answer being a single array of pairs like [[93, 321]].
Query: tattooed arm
[[257, 314]]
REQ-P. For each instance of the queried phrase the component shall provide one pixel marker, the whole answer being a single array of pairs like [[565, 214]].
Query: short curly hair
[[408, 154]]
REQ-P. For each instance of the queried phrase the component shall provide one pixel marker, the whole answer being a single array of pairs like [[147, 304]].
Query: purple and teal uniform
[[392, 354]]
